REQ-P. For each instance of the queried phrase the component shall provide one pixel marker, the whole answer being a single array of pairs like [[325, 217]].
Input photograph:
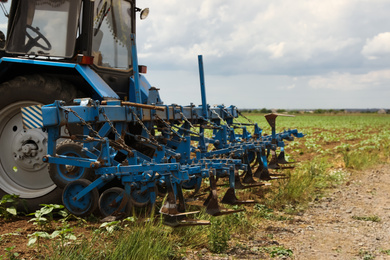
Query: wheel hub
[[29, 147], [22, 170]]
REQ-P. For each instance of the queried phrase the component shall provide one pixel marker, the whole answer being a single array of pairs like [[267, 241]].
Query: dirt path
[[353, 222]]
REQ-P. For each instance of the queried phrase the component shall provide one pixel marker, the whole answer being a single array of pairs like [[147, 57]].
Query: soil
[[351, 222]]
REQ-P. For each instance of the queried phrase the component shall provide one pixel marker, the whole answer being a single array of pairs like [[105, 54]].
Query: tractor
[[59, 50], [80, 124]]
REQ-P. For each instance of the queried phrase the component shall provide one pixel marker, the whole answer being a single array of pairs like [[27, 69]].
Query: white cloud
[[349, 82], [276, 50], [304, 52], [377, 47], [300, 53], [257, 36]]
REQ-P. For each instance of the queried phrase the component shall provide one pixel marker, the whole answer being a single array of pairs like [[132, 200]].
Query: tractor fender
[[12, 67]]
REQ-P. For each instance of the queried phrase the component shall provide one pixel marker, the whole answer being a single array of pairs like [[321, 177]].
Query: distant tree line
[[315, 111]]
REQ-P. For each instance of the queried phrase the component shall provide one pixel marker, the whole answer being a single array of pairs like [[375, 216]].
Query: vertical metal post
[[135, 69], [202, 87], [136, 74]]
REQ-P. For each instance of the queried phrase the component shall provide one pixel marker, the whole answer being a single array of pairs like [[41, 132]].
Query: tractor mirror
[[144, 13]]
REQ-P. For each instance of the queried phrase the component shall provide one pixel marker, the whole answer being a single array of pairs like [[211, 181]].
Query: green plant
[[44, 216], [8, 204], [9, 254], [262, 211], [362, 158], [387, 252], [35, 239], [279, 251], [144, 241], [367, 218], [366, 255], [65, 234], [301, 186], [112, 226], [218, 236]]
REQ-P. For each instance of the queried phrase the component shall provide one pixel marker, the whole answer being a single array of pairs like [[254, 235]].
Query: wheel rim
[[84, 205], [108, 204], [68, 172], [142, 199], [22, 170]]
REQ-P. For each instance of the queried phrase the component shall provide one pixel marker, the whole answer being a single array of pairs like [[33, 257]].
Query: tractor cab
[[92, 33], [63, 29], [43, 28]]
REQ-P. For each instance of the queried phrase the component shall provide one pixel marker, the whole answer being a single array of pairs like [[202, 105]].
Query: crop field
[[336, 147]]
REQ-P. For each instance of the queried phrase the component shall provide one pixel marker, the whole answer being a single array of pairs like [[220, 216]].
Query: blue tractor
[[105, 137], [59, 50]]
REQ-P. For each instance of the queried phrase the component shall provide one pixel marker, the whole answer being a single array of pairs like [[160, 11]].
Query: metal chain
[[115, 143], [169, 126], [186, 119], [144, 127], [250, 121], [112, 126], [215, 113], [66, 130], [229, 114], [83, 122]]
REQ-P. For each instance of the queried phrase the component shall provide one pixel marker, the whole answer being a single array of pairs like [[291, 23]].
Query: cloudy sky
[[273, 54]]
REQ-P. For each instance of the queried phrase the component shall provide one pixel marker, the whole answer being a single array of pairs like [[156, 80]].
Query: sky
[[300, 54]]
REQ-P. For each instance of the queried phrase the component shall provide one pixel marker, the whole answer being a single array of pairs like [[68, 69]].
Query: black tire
[[61, 175], [22, 174]]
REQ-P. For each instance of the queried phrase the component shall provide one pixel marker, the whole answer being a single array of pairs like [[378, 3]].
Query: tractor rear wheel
[[22, 171]]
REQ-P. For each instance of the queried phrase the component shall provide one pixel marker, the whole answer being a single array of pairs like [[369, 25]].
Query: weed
[[8, 204], [278, 251], [366, 255], [361, 159], [35, 239], [9, 254], [263, 212], [112, 226], [218, 236], [302, 185], [141, 241], [367, 218], [193, 236], [386, 252], [65, 233], [44, 215]]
